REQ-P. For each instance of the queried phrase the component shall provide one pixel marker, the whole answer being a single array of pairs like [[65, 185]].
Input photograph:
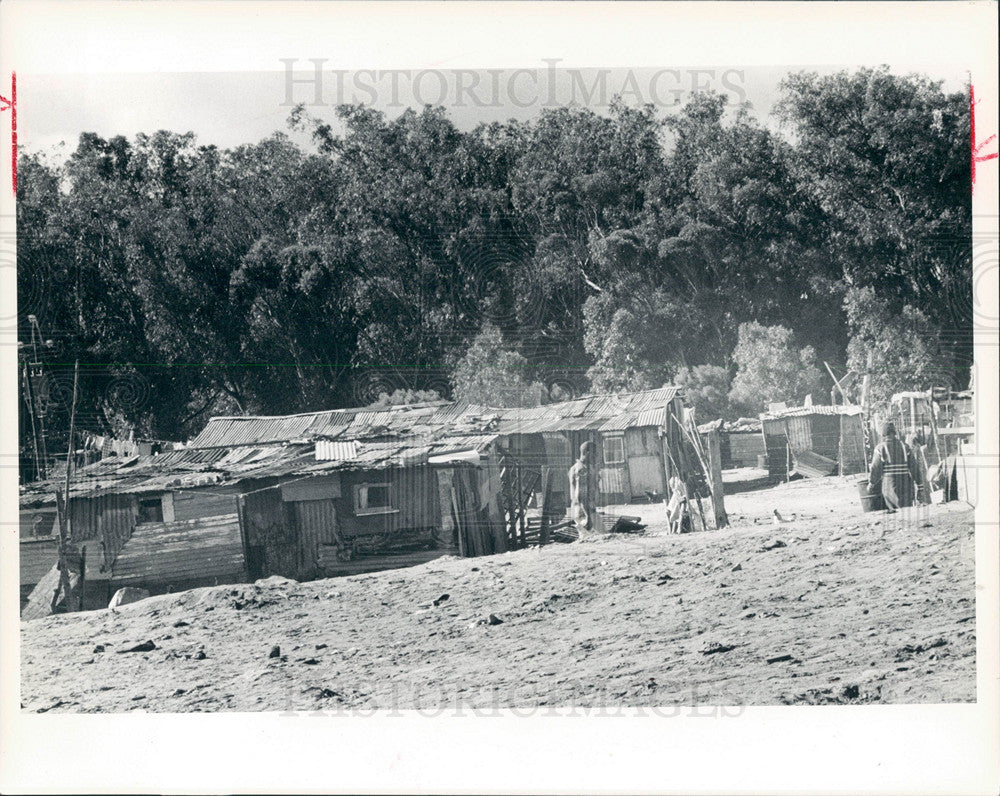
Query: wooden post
[[840, 448], [543, 534], [715, 468], [519, 507], [460, 530]]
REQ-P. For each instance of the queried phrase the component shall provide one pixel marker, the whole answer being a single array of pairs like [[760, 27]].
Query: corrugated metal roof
[[332, 450], [587, 412], [805, 411], [231, 449]]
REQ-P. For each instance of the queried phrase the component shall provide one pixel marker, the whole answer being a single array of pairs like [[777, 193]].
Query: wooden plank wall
[[191, 504], [269, 524], [37, 558], [165, 557]]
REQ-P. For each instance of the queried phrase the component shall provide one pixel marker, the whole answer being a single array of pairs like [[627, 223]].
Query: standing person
[[915, 442], [583, 487], [893, 470]]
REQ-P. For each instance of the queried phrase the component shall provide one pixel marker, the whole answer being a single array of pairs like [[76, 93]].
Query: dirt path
[[836, 606]]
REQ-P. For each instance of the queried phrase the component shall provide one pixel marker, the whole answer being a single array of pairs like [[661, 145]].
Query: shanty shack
[[814, 441], [637, 439], [346, 491], [741, 443]]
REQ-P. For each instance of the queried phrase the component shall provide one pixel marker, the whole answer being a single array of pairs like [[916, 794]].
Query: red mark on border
[[11, 104], [977, 148]]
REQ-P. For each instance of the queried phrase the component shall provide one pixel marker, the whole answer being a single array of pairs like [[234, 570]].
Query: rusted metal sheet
[[169, 556]]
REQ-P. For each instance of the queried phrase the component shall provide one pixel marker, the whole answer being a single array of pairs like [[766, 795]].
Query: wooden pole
[[547, 477], [715, 465], [840, 449], [65, 521], [30, 400]]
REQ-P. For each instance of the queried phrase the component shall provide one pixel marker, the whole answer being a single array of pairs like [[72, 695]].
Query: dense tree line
[[578, 251]]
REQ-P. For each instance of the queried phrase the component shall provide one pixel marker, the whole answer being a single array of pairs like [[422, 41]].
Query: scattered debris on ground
[[853, 609]]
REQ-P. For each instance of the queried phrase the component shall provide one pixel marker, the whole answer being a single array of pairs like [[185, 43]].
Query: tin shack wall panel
[[165, 557], [853, 445], [644, 455], [416, 501], [192, 504], [116, 522], [776, 444], [745, 447], [826, 435], [83, 514], [317, 523], [323, 487], [799, 430]]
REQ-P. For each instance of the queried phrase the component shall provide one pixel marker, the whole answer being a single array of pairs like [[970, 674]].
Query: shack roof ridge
[[444, 403]]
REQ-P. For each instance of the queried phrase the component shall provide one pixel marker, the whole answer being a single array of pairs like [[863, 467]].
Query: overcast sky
[[232, 108]]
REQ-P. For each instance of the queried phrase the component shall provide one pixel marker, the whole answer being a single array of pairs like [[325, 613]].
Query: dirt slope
[[835, 606]]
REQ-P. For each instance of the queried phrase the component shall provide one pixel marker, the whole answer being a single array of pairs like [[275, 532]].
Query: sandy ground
[[835, 606]]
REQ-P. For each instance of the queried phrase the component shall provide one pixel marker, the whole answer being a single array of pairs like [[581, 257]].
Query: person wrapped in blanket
[[893, 471], [915, 442]]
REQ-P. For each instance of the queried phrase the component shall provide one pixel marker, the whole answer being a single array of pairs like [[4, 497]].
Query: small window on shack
[[373, 499], [614, 450], [150, 510]]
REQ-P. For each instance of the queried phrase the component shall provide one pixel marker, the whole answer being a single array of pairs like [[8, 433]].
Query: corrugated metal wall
[[317, 521], [776, 444], [614, 481], [853, 441], [117, 518], [799, 431], [826, 435], [172, 556], [84, 516], [415, 497], [745, 447]]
